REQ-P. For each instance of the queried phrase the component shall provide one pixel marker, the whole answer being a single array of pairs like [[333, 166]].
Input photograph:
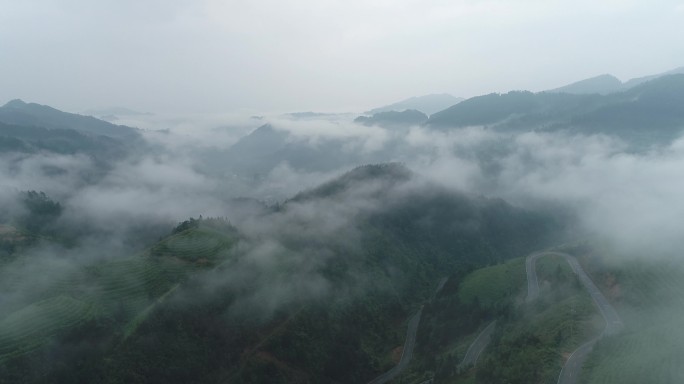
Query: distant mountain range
[[266, 147], [114, 113], [645, 114], [605, 84], [393, 118], [427, 104]]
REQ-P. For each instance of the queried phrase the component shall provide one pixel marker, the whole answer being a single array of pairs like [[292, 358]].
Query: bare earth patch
[[396, 354]]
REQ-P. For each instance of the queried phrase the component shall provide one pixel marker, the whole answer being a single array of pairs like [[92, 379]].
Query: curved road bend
[[478, 346], [407, 352], [573, 366]]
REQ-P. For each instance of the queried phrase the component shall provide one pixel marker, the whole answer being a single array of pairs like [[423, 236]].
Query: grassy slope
[[531, 346], [458, 313], [119, 292], [531, 341], [650, 297], [494, 286]]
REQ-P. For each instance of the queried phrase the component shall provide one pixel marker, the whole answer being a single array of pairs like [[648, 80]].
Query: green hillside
[[530, 341], [651, 295], [494, 286], [112, 296], [37, 324], [283, 300]]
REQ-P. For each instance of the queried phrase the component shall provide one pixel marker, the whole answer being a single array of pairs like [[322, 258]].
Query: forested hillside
[[289, 298]]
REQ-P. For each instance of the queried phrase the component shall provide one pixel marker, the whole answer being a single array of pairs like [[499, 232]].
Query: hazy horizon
[[213, 56]]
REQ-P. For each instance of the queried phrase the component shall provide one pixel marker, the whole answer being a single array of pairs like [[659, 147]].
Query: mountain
[[406, 118], [266, 147], [256, 154], [31, 139], [388, 175], [643, 115], [487, 109], [31, 128], [427, 104], [316, 290], [640, 80], [17, 112], [605, 84], [602, 84]]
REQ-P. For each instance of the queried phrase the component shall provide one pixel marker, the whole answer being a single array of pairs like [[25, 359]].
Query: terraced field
[[35, 325], [125, 290], [202, 246]]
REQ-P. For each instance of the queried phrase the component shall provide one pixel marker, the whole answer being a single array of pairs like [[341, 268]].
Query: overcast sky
[[277, 55]]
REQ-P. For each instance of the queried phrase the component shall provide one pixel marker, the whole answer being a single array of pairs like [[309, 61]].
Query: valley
[[512, 237]]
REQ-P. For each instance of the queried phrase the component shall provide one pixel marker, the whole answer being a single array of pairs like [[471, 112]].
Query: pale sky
[[194, 56]]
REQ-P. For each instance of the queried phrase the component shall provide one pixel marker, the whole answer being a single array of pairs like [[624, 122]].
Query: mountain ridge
[[18, 112], [428, 104]]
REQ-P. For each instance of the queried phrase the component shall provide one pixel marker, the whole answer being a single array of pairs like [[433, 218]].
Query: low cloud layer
[[629, 198]]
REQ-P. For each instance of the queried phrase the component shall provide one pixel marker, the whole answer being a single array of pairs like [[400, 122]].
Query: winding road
[[407, 352], [478, 346], [573, 366]]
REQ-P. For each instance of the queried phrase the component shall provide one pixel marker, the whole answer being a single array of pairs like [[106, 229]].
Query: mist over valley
[[415, 193]]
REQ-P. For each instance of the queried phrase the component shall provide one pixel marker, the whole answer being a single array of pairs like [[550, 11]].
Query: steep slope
[[640, 80], [602, 84], [17, 112], [84, 309], [487, 109], [31, 139], [645, 114]]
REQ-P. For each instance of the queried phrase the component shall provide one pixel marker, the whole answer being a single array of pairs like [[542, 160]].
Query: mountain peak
[[16, 103], [602, 84]]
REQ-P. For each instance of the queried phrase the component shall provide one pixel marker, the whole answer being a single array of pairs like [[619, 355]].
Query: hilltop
[[427, 104]]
